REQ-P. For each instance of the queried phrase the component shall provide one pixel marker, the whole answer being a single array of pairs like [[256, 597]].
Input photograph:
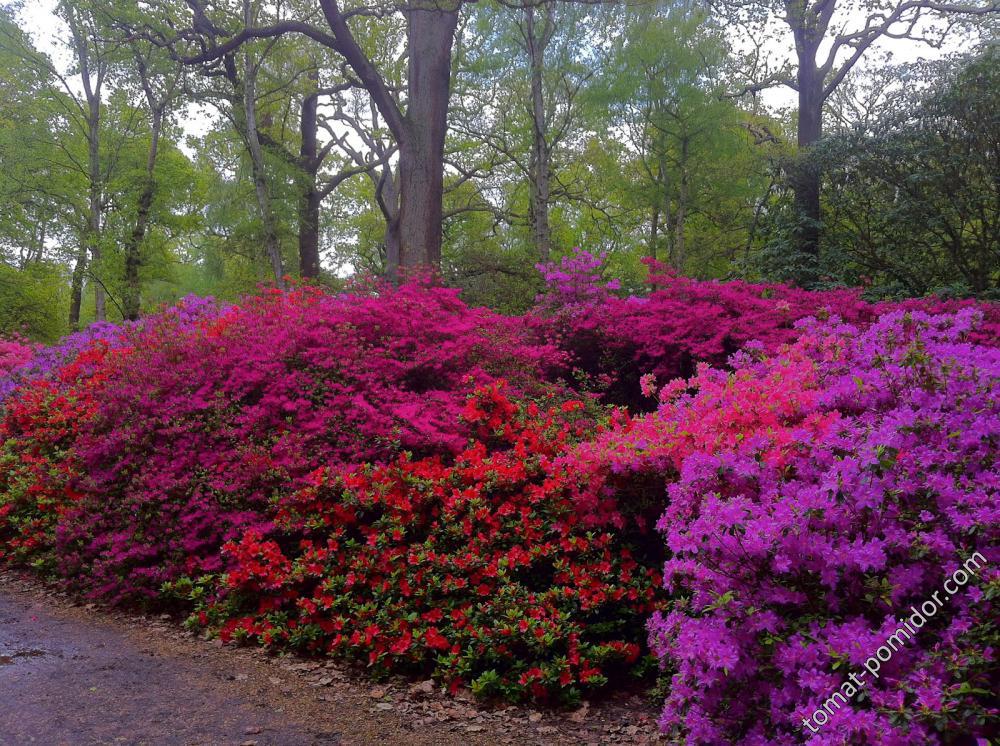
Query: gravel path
[[75, 675]]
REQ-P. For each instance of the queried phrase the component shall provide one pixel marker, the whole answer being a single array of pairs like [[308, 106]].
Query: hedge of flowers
[[614, 340], [746, 483], [155, 445]]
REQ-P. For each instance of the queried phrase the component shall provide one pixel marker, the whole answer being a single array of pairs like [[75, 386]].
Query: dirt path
[[72, 675]]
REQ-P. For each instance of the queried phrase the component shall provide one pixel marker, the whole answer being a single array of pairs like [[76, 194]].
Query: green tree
[[912, 201], [693, 162], [828, 38]]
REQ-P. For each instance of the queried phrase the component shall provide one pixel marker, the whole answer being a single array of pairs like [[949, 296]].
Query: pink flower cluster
[[15, 353]]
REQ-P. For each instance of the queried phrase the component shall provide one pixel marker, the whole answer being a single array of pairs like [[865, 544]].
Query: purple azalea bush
[[788, 575]]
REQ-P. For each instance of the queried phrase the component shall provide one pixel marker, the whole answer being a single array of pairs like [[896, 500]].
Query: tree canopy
[[155, 150]]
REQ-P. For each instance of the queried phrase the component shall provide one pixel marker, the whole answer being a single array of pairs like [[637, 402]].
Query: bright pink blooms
[[613, 340], [14, 354]]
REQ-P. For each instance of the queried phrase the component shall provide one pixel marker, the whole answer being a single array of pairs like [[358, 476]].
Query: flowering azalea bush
[[479, 571], [681, 322], [613, 341], [36, 362], [771, 407], [200, 415], [37, 472], [14, 354], [790, 569], [59, 391], [394, 478]]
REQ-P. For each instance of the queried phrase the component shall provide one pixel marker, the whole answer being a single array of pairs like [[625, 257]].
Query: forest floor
[[74, 674]]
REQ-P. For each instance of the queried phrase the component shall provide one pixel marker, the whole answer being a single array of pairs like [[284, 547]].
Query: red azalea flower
[[434, 639]]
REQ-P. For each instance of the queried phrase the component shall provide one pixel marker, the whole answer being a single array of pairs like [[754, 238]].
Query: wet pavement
[[63, 682], [75, 675]]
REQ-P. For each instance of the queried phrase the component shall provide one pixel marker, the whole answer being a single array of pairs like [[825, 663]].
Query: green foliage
[[911, 201], [650, 153], [33, 301], [692, 169]]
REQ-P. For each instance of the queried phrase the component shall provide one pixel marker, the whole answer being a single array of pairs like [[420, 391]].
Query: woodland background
[[154, 150]]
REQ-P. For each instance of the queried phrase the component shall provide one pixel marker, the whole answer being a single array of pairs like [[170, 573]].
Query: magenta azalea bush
[[680, 323], [612, 341], [196, 419], [15, 354], [392, 477]]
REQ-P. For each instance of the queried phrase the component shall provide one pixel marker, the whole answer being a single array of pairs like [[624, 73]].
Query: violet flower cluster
[[787, 571]]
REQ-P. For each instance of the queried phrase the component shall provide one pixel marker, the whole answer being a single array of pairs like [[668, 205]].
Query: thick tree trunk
[[309, 216], [310, 198], [806, 179], [388, 199], [420, 133], [536, 40], [131, 293], [430, 35]]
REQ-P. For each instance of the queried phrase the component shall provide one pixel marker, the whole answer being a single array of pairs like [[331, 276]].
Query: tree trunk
[[536, 41], [93, 228], [387, 195], [309, 216], [805, 179], [310, 198], [91, 235], [430, 35], [393, 243], [668, 217], [654, 230], [682, 206], [39, 251], [272, 246], [76, 287], [131, 299]]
